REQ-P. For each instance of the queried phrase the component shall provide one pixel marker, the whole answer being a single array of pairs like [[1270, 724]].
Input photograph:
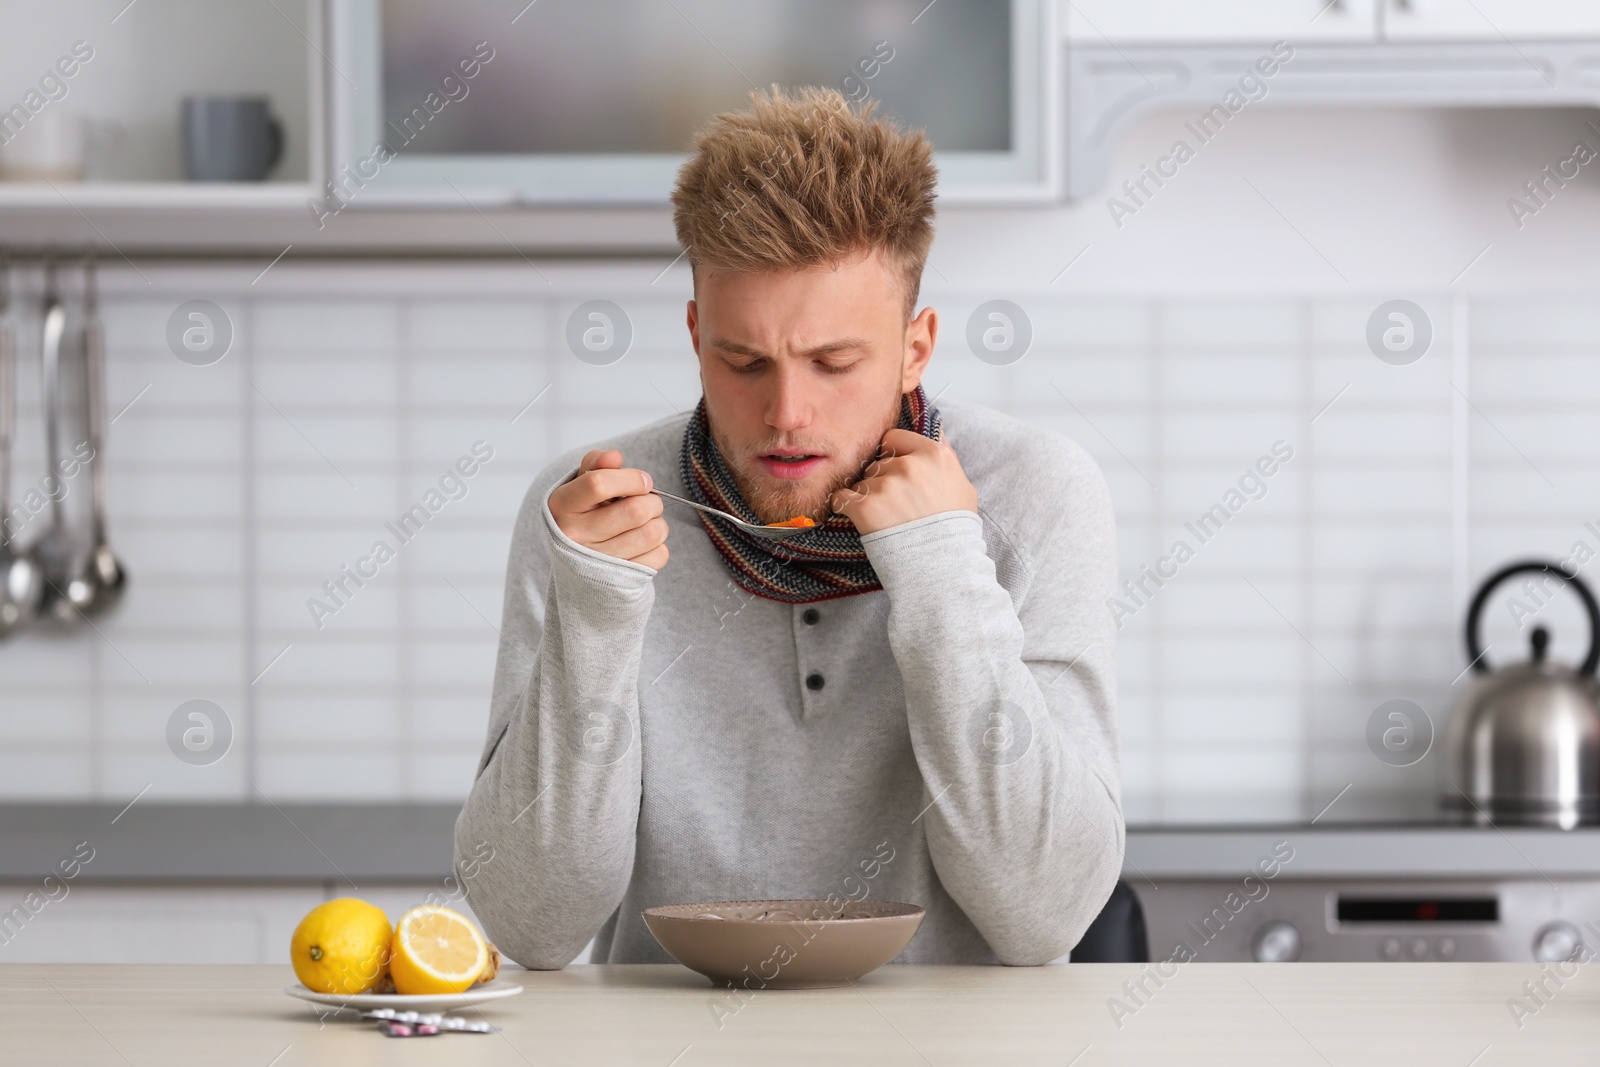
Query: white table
[[1351, 1014]]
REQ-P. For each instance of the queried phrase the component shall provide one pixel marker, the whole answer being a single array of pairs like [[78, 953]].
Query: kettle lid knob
[[1539, 641]]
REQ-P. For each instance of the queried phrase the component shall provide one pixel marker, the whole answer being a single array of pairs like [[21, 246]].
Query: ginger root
[[492, 968]]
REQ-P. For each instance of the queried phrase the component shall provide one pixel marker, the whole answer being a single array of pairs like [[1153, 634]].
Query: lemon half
[[436, 951]]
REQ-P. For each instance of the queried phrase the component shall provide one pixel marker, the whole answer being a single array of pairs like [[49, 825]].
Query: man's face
[[805, 362]]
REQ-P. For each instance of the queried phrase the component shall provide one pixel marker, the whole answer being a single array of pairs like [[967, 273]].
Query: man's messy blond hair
[[802, 180]]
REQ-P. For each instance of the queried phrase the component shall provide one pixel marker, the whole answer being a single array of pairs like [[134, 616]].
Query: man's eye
[[831, 369], [745, 368]]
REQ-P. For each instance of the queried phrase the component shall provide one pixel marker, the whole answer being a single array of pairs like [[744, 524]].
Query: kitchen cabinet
[[130, 72], [1090, 22], [568, 110], [1092, 67], [1110, 85], [1489, 20], [1189, 22]]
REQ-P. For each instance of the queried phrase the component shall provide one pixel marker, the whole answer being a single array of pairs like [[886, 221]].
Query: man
[[912, 701]]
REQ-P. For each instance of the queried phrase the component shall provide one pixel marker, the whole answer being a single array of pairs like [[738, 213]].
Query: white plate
[[494, 990]]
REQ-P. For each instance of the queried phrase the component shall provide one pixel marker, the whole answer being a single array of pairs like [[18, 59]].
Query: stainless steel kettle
[[1524, 744]]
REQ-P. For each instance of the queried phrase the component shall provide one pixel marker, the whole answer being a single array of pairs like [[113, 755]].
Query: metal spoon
[[21, 584], [98, 580], [771, 533], [53, 551]]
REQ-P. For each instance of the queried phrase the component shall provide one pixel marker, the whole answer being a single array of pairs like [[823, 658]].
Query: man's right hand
[[610, 508]]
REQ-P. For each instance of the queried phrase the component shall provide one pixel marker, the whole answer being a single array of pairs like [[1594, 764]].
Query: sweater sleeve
[[1011, 709], [544, 846]]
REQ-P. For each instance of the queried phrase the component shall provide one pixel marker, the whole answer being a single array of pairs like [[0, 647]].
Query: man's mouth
[[791, 464]]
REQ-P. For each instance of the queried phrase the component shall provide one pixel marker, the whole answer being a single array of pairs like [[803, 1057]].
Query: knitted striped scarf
[[825, 562]]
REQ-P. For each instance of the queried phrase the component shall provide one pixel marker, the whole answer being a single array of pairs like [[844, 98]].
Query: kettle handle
[[1475, 649]]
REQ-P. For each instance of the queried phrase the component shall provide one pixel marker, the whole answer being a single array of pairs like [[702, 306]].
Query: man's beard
[[774, 501]]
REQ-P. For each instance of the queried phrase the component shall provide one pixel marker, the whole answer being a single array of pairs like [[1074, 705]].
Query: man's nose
[[789, 407]]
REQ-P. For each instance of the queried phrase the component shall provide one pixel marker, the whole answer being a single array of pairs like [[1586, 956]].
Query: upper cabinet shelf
[[154, 195]]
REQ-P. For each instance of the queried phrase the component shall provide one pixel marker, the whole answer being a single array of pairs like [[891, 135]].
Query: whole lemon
[[341, 947]]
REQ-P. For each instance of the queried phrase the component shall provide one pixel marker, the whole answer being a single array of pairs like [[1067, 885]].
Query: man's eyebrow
[[843, 344]]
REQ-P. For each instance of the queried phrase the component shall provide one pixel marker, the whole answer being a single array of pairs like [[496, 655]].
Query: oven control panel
[[1284, 920]]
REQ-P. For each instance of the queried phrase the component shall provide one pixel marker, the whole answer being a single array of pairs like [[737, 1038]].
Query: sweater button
[[811, 616], [813, 681]]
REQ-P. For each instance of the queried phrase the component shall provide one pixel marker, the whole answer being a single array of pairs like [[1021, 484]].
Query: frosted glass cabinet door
[[599, 102], [1195, 21], [1490, 20]]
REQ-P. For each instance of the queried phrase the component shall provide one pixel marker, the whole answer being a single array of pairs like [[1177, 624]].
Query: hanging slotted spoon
[[55, 548]]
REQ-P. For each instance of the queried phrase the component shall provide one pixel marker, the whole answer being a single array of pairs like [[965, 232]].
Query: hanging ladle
[[97, 580], [21, 584]]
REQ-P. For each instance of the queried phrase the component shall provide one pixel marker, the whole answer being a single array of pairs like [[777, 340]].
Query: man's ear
[[694, 326], [921, 333]]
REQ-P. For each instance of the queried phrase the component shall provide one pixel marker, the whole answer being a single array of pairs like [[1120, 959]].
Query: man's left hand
[[917, 477]]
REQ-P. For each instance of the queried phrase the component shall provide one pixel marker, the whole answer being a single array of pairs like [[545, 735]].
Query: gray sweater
[[950, 740]]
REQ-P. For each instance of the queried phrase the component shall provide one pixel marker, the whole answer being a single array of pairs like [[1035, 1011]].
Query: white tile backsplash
[[106, 924], [238, 489]]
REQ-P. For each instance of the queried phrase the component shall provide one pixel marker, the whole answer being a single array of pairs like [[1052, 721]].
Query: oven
[[1283, 920]]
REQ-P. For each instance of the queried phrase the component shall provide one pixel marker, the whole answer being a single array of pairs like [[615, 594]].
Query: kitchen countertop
[[661, 1015], [288, 843]]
